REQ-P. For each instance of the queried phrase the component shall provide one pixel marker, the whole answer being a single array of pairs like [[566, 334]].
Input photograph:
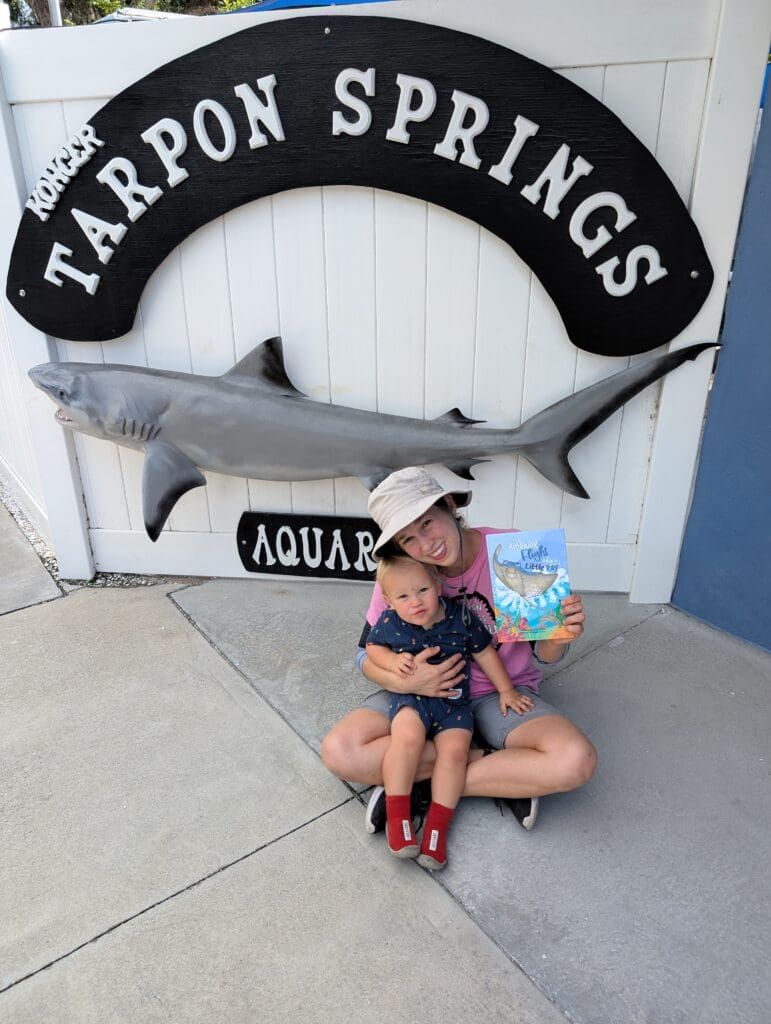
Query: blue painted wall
[[725, 562]]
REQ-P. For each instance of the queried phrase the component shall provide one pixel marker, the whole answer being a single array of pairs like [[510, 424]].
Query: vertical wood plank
[[549, 375], [299, 228], [254, 301], [400, 254], [212, 352], [499, 368], [349, 241]]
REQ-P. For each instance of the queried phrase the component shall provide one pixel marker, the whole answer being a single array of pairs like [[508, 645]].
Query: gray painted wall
[[725, 562]]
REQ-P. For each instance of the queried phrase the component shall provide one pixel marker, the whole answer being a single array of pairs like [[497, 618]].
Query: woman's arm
[[426, 680]]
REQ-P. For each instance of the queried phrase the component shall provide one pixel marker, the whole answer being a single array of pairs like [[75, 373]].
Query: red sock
[[399, 832], [434, 843]]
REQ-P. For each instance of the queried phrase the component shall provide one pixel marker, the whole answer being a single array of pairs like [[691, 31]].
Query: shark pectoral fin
[[463, 468], [168, 474]]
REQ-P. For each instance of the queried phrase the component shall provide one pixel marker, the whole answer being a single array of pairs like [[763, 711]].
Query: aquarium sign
[[323, 547]]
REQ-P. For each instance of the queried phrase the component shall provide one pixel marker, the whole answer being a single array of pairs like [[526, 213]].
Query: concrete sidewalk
[[172, 849]]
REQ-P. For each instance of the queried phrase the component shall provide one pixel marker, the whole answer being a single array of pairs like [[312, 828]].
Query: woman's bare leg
[[354, 748], [546, 755]]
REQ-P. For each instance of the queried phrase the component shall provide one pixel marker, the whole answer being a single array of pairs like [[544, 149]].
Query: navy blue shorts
[[436, 714]]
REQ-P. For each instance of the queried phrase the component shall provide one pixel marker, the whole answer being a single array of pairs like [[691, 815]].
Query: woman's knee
[[578, 761], [340, 749], [343, 746]]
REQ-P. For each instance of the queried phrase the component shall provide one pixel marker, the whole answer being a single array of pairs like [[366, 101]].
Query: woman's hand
[[515, 700], [573, 611], [574, 618], [435, 680]]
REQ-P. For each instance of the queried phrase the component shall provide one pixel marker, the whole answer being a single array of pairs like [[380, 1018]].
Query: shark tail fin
[[547, 438]]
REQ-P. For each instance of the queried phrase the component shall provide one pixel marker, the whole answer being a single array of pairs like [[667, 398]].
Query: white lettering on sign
[[159, 135], [64, 166], [524, 129], [312, 560], [611, 200], [120, 175], [96, 230], [557, 184], [227, 128], [258, 112], [286, 546], [341, 126], [458, 132], [261, 545], [215, 132], [310, 547], [57, 269], [366, 543], [640, 252], [406, 113]]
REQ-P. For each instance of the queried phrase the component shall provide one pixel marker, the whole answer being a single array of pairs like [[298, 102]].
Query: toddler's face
[[412, 594]]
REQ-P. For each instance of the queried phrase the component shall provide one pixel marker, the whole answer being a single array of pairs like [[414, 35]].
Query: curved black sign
[[394, 104]]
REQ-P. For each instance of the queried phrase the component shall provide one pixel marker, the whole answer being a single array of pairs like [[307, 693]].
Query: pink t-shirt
[[517, 657]]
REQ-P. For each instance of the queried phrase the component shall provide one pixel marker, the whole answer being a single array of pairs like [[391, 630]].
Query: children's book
[[529, 573]]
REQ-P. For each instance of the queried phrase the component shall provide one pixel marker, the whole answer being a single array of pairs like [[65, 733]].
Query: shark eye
[[62, 393]]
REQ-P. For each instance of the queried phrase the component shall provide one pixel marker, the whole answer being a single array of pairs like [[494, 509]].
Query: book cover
[[529, 573]]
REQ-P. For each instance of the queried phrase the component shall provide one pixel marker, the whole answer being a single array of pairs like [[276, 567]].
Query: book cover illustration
[[529, 573]]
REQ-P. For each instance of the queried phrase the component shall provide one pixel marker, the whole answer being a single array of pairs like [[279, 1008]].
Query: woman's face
[[432, 538]]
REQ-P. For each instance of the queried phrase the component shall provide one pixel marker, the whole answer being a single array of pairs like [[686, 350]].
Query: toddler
[[418, 617]]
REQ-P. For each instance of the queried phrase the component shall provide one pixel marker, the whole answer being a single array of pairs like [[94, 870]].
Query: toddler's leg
[[400, 763], [447, 783]]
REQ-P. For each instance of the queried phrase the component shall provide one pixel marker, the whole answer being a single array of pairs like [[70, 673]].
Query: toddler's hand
[[404, 664], [514, 700]]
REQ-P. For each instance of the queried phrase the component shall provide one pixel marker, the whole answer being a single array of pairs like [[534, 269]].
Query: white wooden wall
[[388, 303]]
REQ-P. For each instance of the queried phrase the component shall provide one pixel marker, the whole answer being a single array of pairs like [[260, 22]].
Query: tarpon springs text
[[216, 134]]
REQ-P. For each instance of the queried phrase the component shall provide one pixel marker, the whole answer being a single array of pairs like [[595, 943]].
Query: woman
[[527, 755]]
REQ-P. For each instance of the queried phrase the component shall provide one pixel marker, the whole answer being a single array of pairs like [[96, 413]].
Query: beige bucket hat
[[404, 496]]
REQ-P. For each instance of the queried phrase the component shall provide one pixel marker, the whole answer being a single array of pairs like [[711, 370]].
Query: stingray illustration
[[253, 422], [527, 584]]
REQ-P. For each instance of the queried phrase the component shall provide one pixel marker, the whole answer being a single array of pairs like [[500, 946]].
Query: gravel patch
[[48, 558]]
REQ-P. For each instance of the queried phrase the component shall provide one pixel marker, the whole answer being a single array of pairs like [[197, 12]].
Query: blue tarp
[[276, 5]]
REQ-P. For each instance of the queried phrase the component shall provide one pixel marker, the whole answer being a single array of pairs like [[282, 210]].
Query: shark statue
[[253, 422]]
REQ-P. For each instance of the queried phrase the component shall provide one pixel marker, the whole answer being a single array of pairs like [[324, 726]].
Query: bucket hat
[[404, 496]]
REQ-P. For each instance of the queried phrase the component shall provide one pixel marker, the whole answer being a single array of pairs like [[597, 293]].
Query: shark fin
[[546, 439], [168, 474], [266, 363], [463, 469], [457, 417]]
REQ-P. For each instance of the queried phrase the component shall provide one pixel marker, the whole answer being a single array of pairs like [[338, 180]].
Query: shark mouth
[[61, 417]]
